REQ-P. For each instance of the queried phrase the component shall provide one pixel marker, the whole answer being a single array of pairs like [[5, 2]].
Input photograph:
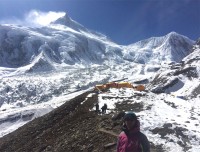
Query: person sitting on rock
[[131, 139]]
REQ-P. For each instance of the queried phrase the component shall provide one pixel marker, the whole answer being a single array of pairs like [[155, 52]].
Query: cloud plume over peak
[[35, 18], [42, 18]]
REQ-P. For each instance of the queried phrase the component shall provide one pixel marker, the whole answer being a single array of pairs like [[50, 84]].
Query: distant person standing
[[104, 108], [131, 139], [97, 107]]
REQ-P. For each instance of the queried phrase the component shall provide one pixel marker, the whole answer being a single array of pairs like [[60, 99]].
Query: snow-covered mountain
[[54, 46], [30, 57], [182, 78], [40, 65], [65, 42], [168, 48]]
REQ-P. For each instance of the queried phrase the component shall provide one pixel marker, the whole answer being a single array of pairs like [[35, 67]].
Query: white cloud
[[35, 18], [42, 18]]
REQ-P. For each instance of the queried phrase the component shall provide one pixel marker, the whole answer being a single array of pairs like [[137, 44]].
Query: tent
[[111, 85], [100, 87], [103, 87], [140, 88], [124, 85]]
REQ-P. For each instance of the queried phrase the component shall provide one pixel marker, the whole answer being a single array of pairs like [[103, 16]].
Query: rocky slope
[[72, 127]]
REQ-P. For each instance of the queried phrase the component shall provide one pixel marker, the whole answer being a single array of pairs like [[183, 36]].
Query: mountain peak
[[168, 48], [172, 33], [64, 20], [175, 35], [67, 21]]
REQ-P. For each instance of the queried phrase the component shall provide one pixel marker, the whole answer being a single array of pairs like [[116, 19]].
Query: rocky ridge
[[71, 127]]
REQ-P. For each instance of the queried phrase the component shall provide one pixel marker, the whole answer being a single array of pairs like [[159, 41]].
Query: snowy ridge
[[182, 78], [172, 47]]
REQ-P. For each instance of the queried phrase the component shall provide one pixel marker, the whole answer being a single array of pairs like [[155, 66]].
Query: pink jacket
[[133, 141]]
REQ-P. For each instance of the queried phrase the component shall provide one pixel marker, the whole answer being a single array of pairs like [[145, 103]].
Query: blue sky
[[123, 21]]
